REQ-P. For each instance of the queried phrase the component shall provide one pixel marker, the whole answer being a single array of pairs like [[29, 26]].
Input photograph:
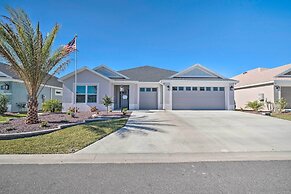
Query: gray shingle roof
[[8, 71], [147, 73], [201, 78]]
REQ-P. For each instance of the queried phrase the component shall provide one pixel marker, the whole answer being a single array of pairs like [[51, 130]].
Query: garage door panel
[[199, 100], [148, 100]]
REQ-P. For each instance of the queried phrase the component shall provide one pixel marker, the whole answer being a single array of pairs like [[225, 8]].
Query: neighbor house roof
[[4, 68], [147, 73], [262, 75]]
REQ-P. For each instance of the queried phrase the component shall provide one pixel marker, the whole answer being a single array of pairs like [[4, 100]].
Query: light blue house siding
[[17, 95]]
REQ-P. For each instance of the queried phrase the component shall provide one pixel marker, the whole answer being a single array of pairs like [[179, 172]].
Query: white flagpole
[[76, 74]]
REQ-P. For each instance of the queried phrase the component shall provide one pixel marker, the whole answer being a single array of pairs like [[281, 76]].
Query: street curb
[[11, 136], [143, 158]]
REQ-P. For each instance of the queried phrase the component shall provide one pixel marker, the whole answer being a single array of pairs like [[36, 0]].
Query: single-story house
[[13, 87], [264, 84], [149, 88]]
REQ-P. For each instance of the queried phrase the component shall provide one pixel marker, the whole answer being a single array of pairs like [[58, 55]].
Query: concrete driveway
[[196, 132]]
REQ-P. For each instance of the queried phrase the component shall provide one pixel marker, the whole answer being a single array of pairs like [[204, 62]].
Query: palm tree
[[30, 55]]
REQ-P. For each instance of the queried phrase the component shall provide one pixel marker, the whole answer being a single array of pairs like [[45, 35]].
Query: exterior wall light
[[5, 86]]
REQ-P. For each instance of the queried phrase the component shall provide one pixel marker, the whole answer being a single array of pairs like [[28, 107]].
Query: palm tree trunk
[[32, 116]]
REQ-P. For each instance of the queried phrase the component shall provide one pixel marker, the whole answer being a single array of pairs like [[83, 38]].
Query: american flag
[[71, 46]]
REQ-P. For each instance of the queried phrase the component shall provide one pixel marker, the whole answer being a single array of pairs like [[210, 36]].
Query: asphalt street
[[198, 177]]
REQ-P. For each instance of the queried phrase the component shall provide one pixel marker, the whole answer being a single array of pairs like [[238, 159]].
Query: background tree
[[30, 55], [107, 101]]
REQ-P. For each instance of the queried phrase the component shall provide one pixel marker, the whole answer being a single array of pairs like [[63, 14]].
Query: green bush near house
[[52, 106], [255, 105], [3, 103], [281, 104]]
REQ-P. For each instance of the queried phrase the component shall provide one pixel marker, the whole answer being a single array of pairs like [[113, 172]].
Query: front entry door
[[124, 98]]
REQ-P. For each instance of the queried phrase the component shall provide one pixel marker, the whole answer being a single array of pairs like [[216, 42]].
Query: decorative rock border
[[63, 126]]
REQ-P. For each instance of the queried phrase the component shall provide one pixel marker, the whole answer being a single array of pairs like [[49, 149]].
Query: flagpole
[[76, 75]]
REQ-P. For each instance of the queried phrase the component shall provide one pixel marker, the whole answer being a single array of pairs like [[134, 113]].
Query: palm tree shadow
[[141, 128]]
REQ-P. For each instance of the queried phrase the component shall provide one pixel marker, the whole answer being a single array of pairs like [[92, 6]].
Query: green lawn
[[68, 140], [5, 118], [286, 116]]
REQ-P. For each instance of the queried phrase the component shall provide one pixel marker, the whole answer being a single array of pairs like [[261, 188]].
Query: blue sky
[[229, 37]]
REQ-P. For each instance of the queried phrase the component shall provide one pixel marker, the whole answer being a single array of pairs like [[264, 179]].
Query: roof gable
[[286, 73], [4, 75], [81, 70], [197, 71], [108, 72]]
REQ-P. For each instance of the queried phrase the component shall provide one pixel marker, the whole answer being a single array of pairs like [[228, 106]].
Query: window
[[142, 89], [148, 89], [208, 88], [92, 94], [86, 94], [221, 88], [58, 92], [181, 88], [202, 89], [215, 88], [154, 89], [188, 88], [194, 88], [174, 88], [81, 94]]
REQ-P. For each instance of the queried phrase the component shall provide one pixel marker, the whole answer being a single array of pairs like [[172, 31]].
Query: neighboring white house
[[266, 85], [147, 88]]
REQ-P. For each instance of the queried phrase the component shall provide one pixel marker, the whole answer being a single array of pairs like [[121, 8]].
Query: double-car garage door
[[198, 98]]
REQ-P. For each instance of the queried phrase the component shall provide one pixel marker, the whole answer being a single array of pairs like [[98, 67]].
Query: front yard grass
[[68, 140], [286, 116], [5, 118]]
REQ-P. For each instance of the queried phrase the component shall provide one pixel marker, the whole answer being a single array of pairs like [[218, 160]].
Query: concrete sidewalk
[[142, 158]]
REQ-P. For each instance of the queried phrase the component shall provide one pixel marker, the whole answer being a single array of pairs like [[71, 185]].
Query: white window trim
[[86, 92]]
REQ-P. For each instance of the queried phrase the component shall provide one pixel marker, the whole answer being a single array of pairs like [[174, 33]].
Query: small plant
[[72, 109], [52, 105], [107, 101], [281, 104], [124, 111], [44, 124], [255, 105], [3, 103], [94, 109]]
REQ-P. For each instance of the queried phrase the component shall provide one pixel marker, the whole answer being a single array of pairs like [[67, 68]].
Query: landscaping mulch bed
[[18, 125]]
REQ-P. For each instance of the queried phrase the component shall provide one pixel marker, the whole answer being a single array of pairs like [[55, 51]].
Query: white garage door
[[198, 98], [148, 98]]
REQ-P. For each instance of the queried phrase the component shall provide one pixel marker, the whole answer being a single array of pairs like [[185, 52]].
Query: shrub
[[94, 109], [44, 124], [107, 101], [281, 104], [52, 105], [255, 105], [3, 103], [124, 111]]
